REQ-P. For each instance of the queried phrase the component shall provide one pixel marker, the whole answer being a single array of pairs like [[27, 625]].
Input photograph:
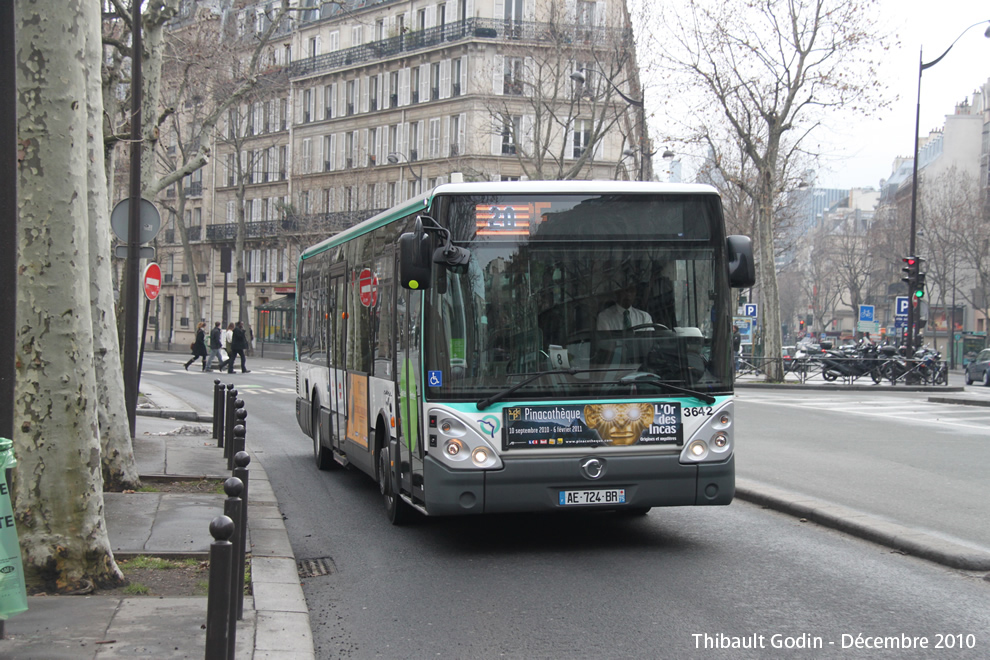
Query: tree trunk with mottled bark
[[58, 484], [116, 449]]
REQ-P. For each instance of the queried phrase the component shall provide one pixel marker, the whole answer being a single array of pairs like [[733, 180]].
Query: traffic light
[[910, 270], [918, 288]]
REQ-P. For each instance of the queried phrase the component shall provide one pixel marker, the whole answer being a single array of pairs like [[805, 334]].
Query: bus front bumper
[[534, 484]]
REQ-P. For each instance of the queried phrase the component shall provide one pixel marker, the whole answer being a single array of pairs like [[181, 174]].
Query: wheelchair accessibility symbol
[[434, 378]]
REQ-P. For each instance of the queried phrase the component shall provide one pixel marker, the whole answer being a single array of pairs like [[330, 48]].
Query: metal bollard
[[219, 643], [241, 461], [232, 508], [228, 419], [218, 390], [237, 441], [224, 395]]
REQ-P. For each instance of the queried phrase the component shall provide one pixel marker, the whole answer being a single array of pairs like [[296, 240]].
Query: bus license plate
[[602, 496]]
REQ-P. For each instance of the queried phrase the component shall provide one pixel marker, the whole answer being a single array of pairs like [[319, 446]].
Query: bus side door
[[336, 342]]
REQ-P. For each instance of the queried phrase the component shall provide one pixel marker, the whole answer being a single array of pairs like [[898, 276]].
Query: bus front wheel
[[397, 511], [322, 455]]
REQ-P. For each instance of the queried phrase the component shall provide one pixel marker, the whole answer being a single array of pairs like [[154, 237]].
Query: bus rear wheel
[[396, 510]]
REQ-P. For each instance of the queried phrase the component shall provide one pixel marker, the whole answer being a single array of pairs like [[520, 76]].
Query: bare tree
[[953, 240], [555, 125], [58, 485], [822, 287], [848, 248], [772, 70]]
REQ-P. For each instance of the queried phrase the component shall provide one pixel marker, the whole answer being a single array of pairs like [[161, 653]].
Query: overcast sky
[[869, 147], [860, 152]]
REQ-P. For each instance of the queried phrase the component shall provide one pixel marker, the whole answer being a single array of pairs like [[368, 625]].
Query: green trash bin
[[13, 596]]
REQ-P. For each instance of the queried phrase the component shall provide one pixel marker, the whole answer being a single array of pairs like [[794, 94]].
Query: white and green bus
[[526, 346]]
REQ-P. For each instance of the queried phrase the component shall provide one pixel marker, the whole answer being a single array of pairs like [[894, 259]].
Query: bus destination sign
[[610, 424]]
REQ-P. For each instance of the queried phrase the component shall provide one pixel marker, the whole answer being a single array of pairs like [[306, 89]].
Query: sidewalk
[[276, 619]]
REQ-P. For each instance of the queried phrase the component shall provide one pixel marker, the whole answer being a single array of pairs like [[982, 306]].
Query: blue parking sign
[[901, 307], [750, 310]]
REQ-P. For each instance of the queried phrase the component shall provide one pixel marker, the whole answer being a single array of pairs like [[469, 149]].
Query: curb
[[865, 526], [824, 387], [282, 627], [959, 402], [183, 415]]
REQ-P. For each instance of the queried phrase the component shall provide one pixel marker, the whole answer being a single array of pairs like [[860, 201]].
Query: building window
[[329, 152], [513, 18], [582, 137], [510, 133], [435, 81], [307, 156], [393, 89], [372, 147], [414, 140], [414, 85], [434, 148], [513, 76], [455, 77], [328, 101], [373, 94], [350, 145], [585, 18], [350, 93], [455, 135], [393, 139], [307, 108]]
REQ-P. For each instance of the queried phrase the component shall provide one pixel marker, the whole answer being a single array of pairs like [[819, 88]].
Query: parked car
[[979, 369]]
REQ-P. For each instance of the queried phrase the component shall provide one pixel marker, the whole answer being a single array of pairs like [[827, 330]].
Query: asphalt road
[[896, 455], [593, 585]]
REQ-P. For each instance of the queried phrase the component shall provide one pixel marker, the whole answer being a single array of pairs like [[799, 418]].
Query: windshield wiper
[[654, 379], [498, 396]]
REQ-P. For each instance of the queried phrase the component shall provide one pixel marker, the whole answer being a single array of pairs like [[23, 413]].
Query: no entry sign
[[368, 286], [152, 280]]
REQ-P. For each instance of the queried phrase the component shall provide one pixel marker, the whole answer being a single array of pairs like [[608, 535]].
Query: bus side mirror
[[742, 270], [415, 258]]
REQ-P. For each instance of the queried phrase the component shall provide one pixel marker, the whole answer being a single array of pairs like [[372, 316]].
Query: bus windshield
[[581, 296]]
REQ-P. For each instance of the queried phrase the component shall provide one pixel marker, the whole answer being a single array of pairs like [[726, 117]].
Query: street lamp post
[[395, 157], [922, 65], [644, 153]]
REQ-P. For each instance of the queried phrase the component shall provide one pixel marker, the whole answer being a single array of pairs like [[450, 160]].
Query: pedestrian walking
[[238, 344], [228, 336], [199, 346], [216, 346], [736, 345]]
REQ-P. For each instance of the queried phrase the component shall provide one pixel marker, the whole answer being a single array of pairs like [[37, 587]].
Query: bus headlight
[[457, 443], [697, 450], [482, 457], [713, 441]]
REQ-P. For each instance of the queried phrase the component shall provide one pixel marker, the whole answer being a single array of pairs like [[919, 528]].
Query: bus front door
[[410, 393]]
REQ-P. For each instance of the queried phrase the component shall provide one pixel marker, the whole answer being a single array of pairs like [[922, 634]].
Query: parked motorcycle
[[852, 362]]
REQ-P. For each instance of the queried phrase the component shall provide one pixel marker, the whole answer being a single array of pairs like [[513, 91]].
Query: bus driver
[[622, 315]]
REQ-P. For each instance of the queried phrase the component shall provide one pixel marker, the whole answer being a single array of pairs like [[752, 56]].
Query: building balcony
[[470, 29], [325, 223]]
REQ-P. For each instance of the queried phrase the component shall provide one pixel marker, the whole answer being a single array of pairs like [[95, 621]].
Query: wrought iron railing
[[193, 233], [327, 223], [472, 28]]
